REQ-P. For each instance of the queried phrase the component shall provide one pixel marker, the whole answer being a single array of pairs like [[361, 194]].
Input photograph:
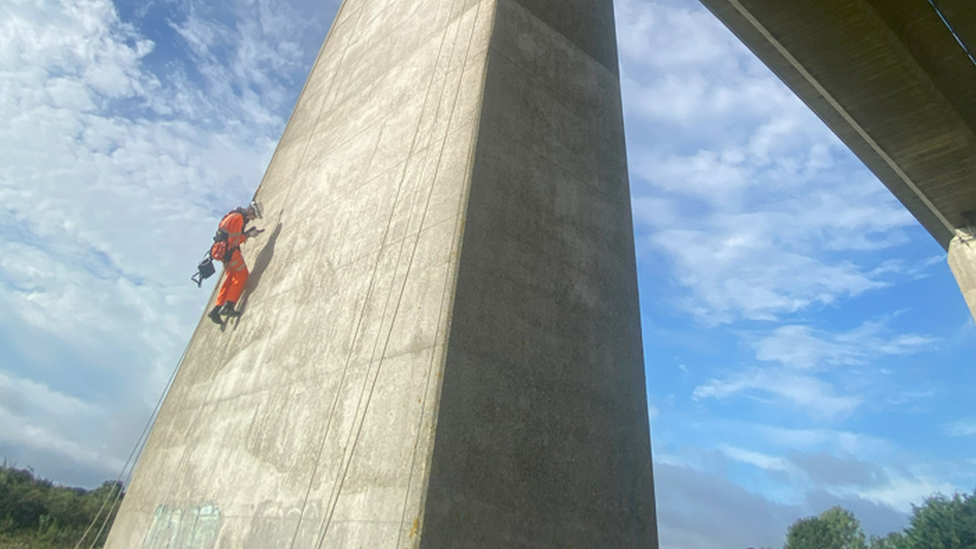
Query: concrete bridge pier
[[962, 261], [440, 346]]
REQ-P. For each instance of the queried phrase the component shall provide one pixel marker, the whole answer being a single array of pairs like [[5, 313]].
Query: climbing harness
[[220, 250]]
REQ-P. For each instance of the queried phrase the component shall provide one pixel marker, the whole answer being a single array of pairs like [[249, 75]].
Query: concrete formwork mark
[[330, 83], [379, 361], [313, 422], [447, 295], [351, 445], [339, 16]]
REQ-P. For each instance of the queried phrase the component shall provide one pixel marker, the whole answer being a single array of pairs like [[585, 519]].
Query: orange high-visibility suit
[[234, 268]]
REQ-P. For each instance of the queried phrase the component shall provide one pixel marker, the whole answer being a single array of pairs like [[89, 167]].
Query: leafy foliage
[[941, 522], [894, 540], [944, 523], [835, 528], [37, 514]]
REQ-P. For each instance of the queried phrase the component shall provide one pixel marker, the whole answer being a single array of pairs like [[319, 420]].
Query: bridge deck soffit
[[892, 78]]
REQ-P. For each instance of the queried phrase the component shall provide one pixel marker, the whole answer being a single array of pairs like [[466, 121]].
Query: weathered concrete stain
[[274, 524], [190, 528]]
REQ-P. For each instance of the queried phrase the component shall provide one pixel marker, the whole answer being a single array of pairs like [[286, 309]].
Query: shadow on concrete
[[260, 264]]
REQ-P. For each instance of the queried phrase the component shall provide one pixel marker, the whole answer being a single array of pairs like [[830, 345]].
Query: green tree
[[943, 523], [36, 514], [835, 528], [894, 540]]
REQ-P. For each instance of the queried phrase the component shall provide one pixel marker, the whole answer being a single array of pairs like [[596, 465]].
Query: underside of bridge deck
[[894, 79]]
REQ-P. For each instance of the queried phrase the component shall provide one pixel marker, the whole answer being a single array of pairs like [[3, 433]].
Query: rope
[[333, 499], [461, 201], [132, 459], [364, 406]]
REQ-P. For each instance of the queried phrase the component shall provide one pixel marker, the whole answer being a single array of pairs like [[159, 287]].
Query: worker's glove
[[253, 231]]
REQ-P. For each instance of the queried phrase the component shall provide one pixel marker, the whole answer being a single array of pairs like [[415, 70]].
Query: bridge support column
[[962, 261], [440, 345]]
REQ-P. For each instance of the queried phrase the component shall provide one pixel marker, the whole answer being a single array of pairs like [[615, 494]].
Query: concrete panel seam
[[379, 362], [315, 63], [192, 425], [571, 45], [446, 297], [335, 400], [342, 102], [321, 112], [349, 452]]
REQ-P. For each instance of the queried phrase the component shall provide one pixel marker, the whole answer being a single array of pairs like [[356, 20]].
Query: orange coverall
[[235, 270]]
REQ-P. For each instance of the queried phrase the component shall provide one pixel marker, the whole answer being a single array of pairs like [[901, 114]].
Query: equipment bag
[[220, 251], [205, 270]]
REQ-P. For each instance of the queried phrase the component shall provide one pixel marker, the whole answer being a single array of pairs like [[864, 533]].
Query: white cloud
[[756, 459], [784, 387], [757, 223], [741, 273], [803, 347], [119, 157], [758, 209], [805, 356], [960, 428], [822, 440], [902, 491], [18, 394]]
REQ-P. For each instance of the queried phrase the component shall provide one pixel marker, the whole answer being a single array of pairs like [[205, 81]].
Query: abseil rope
[[133, 457]]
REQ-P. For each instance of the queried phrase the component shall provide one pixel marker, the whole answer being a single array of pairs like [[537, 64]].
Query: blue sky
[[805, 342]]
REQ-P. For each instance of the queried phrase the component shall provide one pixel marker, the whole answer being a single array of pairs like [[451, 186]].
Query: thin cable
[[97, 515], [447, 290], [409, 267], [108, 516], [953, 32], [133, 455], [354, 436], [840, 110]]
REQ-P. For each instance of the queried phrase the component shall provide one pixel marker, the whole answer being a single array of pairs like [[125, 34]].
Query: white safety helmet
[[255, 206]]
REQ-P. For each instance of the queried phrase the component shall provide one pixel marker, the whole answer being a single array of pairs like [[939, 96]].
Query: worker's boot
[[228, 309], [214, 315]]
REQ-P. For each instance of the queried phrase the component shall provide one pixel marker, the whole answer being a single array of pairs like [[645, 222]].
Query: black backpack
[[205, 269]]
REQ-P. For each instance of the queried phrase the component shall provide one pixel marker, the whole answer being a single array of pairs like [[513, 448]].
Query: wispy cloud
[[783, 387], [756, 459], [829, 470], [904, 490], [821, 440], [961, 428], [778, 251], [119, 155], [802, 347], [803, 356], [757, 209]]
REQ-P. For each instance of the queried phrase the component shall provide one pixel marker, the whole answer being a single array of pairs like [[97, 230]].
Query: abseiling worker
[[233, 232]]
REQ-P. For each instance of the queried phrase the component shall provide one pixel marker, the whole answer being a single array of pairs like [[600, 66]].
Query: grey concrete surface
[[440, 345], [890, 80], [962, 261], [542, 431]]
